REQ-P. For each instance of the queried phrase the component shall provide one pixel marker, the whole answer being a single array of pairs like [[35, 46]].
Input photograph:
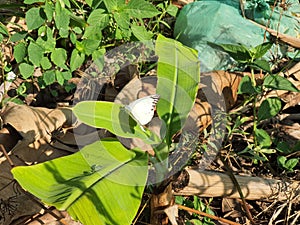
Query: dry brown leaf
[[34, 123], [221, 84]]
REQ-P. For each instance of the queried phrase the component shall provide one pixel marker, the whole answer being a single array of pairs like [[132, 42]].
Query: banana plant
[[104, 182]]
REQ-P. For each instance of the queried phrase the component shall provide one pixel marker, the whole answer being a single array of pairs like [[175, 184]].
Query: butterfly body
[[142, 109]]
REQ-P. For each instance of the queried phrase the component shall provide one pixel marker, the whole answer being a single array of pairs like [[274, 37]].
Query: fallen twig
[[7, 156], [207, 215]]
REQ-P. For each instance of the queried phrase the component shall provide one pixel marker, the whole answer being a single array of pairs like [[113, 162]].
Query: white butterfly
[[142, 109]]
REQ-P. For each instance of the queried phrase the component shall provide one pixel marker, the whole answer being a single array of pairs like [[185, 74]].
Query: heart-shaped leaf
[[269, 108]]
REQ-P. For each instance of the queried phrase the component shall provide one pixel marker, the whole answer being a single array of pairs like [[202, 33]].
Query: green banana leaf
[[101, 184], [178, 75], [114, 118]]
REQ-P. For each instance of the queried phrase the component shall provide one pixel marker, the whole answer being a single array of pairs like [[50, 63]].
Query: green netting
[[222, 22], [282, 18]]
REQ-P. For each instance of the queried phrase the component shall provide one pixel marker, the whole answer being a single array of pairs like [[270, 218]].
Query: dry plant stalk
[[216, 184]]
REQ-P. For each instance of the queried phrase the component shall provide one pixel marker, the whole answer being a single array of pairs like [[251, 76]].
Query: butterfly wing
[[143, 109]]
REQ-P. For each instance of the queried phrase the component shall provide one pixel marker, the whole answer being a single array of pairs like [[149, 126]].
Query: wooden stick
[[215, 184], [7, 156], [207, 215]]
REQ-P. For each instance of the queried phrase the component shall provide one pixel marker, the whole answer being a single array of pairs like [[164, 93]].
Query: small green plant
[[287, 164], [254, 93], [5, 67], [104, 182], [6, 77], [234, 125], [284, 149], [56, 27], [60, 36], [196, 204]]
